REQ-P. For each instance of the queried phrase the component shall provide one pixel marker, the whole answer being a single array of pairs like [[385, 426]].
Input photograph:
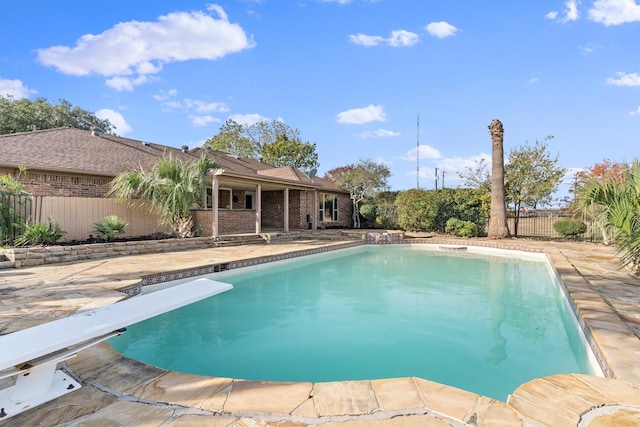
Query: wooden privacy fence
[[77, 216]]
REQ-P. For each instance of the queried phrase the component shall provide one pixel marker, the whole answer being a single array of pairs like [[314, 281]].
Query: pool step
[[256, 239]]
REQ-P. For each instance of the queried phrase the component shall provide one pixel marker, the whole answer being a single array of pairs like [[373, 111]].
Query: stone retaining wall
[[28, 257]]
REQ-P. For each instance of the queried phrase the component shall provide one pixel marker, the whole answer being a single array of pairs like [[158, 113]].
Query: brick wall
[[272, 209], [230, 221], [66, 185]]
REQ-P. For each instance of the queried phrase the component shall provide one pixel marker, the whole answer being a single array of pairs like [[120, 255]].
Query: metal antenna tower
[[418, 152]]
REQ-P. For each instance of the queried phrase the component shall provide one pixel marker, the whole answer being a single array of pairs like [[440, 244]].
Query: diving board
[[32, 354]]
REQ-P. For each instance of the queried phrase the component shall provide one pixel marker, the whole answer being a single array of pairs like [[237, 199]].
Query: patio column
[[258, 208], [286, 209], [214, 207], [314, 214]]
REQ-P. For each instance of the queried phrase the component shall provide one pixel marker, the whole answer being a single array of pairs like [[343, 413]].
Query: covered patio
[[251, 203]]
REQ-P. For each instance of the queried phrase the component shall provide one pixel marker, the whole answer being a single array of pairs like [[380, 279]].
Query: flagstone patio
[[121, 391]]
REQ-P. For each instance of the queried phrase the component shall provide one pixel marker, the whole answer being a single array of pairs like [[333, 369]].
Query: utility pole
[[443, 179], [436, 178]]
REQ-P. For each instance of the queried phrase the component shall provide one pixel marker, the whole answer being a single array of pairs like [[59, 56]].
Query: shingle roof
[[79, 151], [76, 150]]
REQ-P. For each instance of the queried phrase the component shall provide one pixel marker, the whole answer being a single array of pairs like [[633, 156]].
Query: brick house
[[251, 195]]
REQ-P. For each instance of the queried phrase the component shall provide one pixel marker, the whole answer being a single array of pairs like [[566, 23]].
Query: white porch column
[[258, 209], [286, 209], [214, 207], [314, 214]]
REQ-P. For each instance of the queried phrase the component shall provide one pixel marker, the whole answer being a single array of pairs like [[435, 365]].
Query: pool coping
[[562, 399]]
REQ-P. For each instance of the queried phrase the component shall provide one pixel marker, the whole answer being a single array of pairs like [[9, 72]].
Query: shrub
[[461, 228], [39, 233], [569, 228], [368, 212], [110, 227], [428, 210]]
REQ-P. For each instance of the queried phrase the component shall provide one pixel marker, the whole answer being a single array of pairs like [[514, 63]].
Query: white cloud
[[441, 29], [570, 12], [615, 12], [590, 47], [203, 120], [365, 40], [358, 116], [624, 79], [534, 80], [403, 38], [248, 119], [396, 38], [380, 133], [205, 107], [131, 52], [163, 96], [451, 166], [116, 119], [335, 1], [422, 152], [14, 88], [635, 112]]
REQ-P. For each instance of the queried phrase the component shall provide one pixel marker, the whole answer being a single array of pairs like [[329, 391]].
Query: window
[[248, 199], [327, 207], [224, 198]]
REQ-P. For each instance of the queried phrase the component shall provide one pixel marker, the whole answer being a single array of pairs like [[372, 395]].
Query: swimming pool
[[480, 321]]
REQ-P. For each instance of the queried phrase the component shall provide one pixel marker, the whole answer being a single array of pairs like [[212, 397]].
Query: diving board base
[[32, 355], [12, 404]]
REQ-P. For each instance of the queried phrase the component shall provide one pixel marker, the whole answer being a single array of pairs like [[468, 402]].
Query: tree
[[171, 189], [286, 152], [24, 116], [498, 218], [363, 179], [478, 176], [429, 210], [274, 142], [532, 176], [619, 203], [233, 139]]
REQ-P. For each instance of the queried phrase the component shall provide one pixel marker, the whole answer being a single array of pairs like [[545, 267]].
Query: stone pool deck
[[122, 392]]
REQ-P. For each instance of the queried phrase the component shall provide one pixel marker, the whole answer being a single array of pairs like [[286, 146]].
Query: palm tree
[[498, 218], [617, 202], [171, 189]]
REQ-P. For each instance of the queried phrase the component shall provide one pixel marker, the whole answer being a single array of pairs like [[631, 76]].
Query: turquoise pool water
[[479, 322]]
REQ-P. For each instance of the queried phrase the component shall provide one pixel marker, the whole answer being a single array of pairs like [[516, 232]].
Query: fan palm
[[171, 188], [618, 205]]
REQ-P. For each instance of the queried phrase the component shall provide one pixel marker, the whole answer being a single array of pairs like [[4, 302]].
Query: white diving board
[[32, 354]]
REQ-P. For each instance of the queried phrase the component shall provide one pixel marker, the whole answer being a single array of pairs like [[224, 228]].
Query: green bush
[[429, 210], [569, 227], [461, 228], [39, 233], [368, 211], [110, 227]]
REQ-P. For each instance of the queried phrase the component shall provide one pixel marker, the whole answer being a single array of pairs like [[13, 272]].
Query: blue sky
[[351, 75]]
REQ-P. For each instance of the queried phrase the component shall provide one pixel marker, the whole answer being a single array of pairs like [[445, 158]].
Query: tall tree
[[363, 179], [532, 176], [233, 139], [275, 142], [498, 220], [171, 189], [281, 145], [24, 116], [286, 152]]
